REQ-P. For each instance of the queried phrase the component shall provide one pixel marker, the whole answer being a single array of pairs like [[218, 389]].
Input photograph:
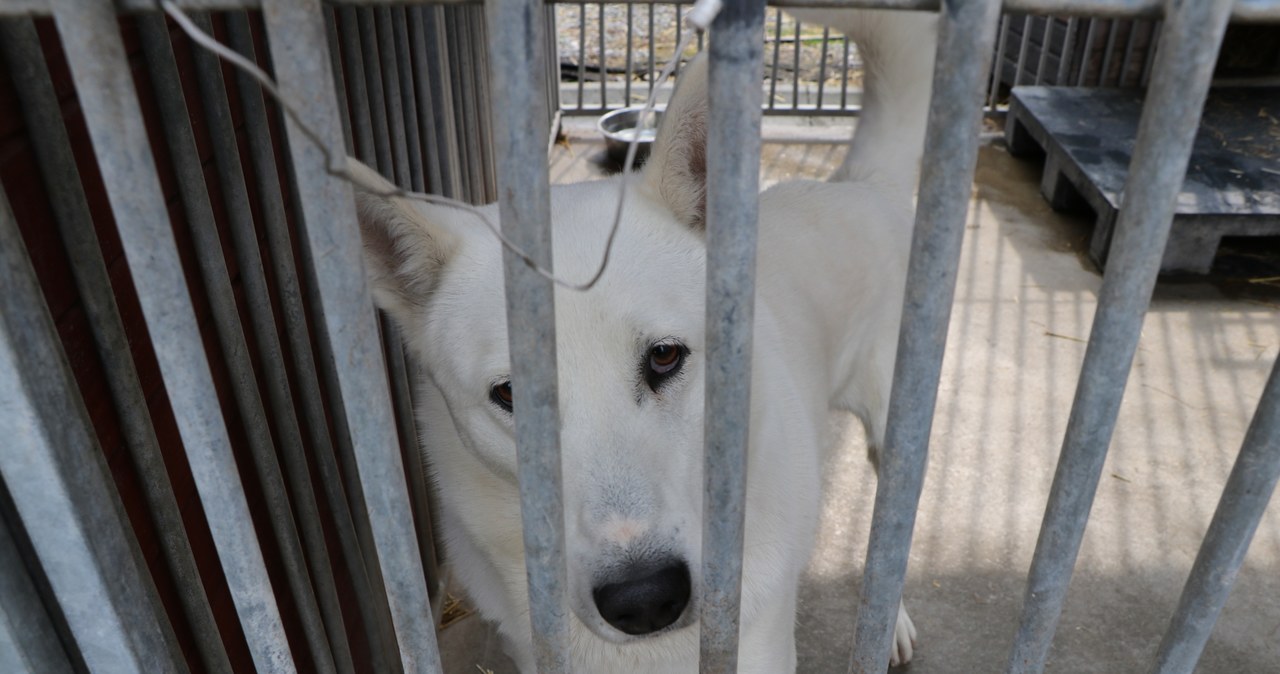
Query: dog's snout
[[645, 601]]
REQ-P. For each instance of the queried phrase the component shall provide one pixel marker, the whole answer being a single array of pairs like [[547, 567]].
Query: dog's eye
[[662, 362], [500, 394]]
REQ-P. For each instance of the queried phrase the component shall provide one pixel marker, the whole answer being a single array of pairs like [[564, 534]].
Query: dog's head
[[629, 353]]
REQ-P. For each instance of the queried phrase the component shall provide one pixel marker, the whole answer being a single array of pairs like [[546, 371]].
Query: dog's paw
[[904, 638]]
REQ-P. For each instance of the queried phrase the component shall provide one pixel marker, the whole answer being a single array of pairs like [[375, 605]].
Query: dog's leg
[[904, 638]]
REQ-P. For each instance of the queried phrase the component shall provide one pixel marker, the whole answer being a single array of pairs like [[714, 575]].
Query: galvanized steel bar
[[348, 28], [56, 488], [392, 96], [1023, 47], [998, 64], [773, 66], [1085, 54], [631, 30], [435, 100], [332, 253], [189, 174], [1254, 11], [582, 51], [222, 132], [822, 68], [367, 588], [1108, 52], [29, 643], [339, 79], [102, 78], [416, 180], [479, 87], [1244, 499], [966, 31], [519, 122], [735, 68], [1044, 49], [1170, 117], [1068, 45], [36, 95], [376, 103]]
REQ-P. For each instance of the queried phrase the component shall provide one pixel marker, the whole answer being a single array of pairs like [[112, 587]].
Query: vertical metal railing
[[1191, 34], [1245, 497], [966, 32], [38, 99], [100, 71], [735, 68], [407, 114], [56, 486], [351, 349], [524, 207]]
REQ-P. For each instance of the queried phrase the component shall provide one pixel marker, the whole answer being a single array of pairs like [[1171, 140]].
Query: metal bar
[[1108, 51], [480, 88], [1087, 52], [1244, 499], [253, 279], [376, 102], [401, 394], [102, 79], [1128, 52], [631, 30], [773, 68], [1170, 117], [339, 79], [367, 588], [436, 103], [56, 489], [822, 67], [582, 50], [1156, 30], [392, 97], [29, 642], [653, 71], [735, 68], [353, 57], [795, 73], [844, 76], [36, 95], [1068, 45], [604, 63], [333, 256], [409, 98], [198, 210], [1044, 49], [1254, 11], [1023, 47], [998, 64], [965, 33], [525, 213]]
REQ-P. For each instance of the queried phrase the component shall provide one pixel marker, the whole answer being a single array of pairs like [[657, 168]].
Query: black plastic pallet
[[1232, 186]]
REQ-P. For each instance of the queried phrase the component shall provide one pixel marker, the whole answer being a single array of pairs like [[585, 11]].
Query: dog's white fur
[[830, 279]]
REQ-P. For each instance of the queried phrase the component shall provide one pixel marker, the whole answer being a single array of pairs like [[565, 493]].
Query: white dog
[[830, 275]]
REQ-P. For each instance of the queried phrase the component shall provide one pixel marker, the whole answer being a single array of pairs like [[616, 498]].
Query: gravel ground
[[579, 29]]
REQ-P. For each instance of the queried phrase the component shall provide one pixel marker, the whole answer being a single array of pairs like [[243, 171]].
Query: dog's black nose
[[647, 601]]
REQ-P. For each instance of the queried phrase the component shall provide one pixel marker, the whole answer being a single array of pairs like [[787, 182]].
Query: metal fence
[[270, 512], [610, 55]]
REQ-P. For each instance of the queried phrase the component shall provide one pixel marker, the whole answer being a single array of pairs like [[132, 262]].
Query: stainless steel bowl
[[619, 127]]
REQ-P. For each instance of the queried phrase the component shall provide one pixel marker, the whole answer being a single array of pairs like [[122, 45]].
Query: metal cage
[[250, 495]]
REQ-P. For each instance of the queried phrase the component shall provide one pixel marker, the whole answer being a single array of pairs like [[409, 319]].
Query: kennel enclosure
[[246, 492]]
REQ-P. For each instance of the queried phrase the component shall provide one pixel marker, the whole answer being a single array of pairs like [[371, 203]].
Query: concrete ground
[[1024, 303]]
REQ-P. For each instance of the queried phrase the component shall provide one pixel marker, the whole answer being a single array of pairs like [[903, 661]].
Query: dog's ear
[[677, 166], [406, 243]]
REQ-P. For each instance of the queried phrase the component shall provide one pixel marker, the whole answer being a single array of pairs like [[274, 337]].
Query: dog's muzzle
[[644, 600]]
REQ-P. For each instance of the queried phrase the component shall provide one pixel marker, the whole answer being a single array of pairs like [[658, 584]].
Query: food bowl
[[619, 128]]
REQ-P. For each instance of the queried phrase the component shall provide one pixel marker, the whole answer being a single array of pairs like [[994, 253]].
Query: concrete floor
[[1024, 302]]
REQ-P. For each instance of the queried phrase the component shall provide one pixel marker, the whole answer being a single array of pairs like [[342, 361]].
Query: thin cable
[[338, 169]]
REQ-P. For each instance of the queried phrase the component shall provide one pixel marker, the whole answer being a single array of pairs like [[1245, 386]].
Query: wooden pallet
[[1086, 136]]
